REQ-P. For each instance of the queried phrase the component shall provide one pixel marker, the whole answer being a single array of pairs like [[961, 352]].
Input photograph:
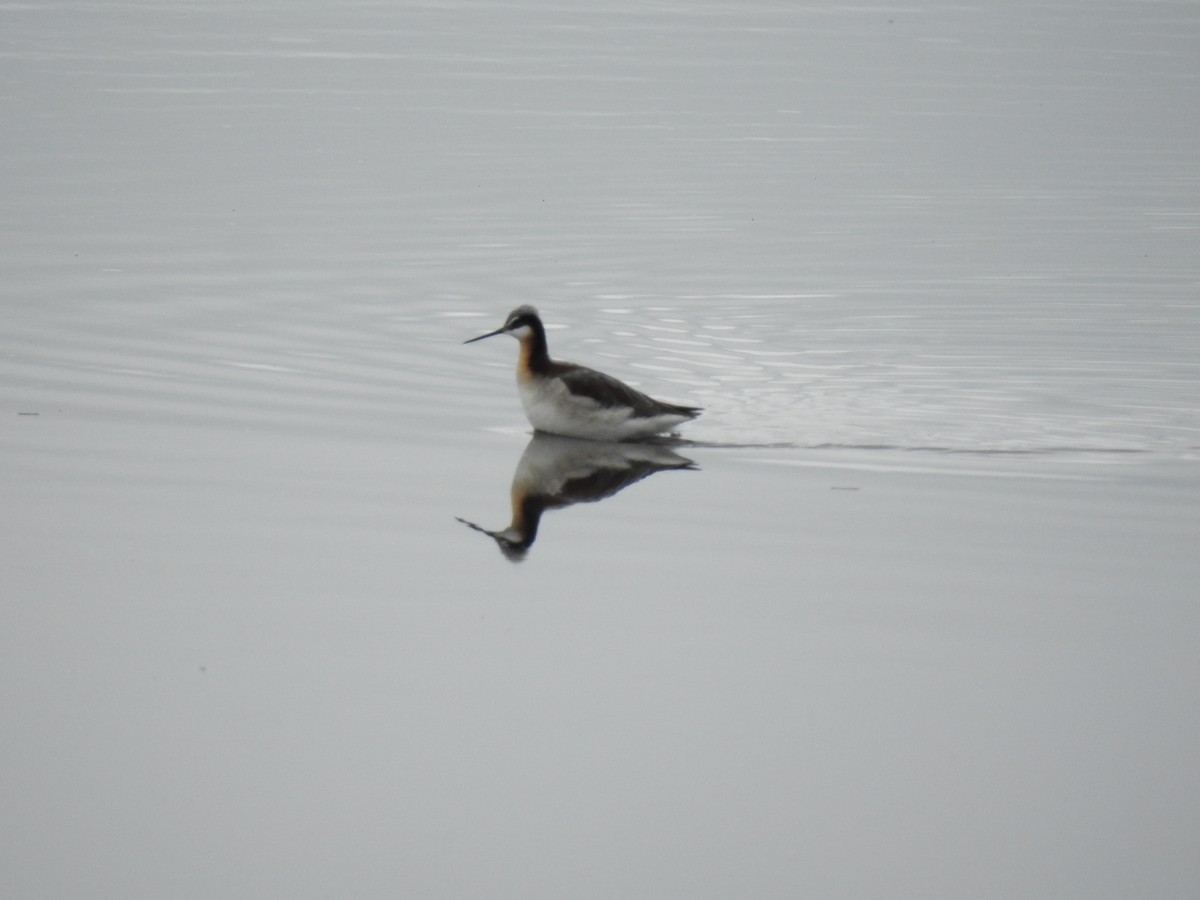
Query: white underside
[[550, 407]]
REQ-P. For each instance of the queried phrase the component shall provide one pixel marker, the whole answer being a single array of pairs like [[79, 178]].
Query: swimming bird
[[574, 401]]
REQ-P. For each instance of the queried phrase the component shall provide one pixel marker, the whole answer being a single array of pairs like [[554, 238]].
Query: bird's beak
[[482, 336]]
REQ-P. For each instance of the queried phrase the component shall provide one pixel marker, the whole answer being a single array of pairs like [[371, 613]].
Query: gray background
[[923, 624]]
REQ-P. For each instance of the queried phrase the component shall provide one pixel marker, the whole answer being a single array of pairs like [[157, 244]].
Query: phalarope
[[575, 401]]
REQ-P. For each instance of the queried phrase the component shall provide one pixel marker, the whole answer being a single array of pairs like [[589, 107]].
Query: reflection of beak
[[482, 336]]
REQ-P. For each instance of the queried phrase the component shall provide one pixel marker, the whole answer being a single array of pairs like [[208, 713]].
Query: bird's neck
[[535, 357]]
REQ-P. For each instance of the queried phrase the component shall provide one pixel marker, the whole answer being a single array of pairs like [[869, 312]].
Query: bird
[[574, 401]]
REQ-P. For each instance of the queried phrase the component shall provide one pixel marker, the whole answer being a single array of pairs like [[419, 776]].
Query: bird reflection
[[556, 472]]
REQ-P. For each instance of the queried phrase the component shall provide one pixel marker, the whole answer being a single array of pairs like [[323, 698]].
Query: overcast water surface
[[294, 606]]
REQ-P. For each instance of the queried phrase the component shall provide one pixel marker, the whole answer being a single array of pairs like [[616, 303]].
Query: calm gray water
[[911, 612]]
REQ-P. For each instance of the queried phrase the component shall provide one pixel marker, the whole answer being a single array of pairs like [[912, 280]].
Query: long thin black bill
[[482, 336]]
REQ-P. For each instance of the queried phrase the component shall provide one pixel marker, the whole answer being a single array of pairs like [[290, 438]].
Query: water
[[919, 620]]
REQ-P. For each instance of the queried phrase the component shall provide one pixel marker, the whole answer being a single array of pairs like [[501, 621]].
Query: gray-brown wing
[[608, 392]]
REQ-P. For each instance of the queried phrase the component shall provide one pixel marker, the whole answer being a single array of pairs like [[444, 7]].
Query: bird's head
[[521, 323]]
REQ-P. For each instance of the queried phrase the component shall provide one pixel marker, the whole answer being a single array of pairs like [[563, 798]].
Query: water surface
[[918, 621]]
